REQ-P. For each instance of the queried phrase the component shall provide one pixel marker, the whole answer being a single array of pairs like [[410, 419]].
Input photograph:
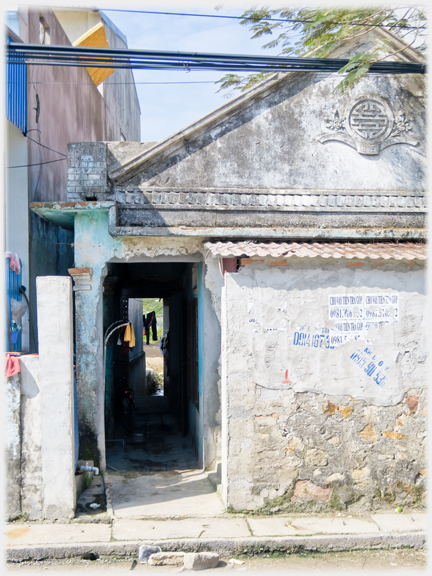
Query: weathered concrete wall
[[55, 324], [31, 438], [319, 409], [211, 419], [289, 155], [283, 151], [12, 452], [94, 247]]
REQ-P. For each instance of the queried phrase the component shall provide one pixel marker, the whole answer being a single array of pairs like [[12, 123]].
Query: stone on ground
[[201, 560], [166, 559]]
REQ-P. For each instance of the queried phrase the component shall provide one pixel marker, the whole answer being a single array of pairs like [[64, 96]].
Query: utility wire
[[107, 83], [43, 146], [91, 57], [37, 164], [293, 20]]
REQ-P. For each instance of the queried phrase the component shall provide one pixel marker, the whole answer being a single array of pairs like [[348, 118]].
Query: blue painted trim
[[16, 91], [200, 330], [13, 282], [200, 437]]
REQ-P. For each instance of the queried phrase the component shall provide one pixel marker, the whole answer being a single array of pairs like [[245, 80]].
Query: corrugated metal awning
[[379, 250]]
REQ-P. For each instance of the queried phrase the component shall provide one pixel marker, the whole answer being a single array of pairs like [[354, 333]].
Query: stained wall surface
[[324, 384]]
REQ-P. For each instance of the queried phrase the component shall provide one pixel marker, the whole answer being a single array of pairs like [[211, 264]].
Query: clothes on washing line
[[150, 322], [129, 335]]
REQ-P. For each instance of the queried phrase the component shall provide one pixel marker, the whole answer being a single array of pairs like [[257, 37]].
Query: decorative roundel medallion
[[369, 118]]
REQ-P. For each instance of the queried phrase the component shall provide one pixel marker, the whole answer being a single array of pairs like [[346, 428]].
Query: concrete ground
[[154, 358], [157, 496]]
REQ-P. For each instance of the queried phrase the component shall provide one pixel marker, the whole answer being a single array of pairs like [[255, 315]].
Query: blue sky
[[165, 109]]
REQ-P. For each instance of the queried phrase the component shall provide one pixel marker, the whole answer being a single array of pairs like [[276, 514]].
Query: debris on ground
[[145, 552], [201, 560], [166, 559]]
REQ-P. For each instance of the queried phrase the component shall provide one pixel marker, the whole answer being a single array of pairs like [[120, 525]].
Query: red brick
[[412, 403], [305, 490]]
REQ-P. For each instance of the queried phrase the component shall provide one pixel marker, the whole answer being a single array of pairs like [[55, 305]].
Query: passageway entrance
[[151, 426]]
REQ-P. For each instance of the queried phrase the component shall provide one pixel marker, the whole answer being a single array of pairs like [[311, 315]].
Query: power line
[[43, 146], [90, 57], [37, 164], [293, 20], [112, 83]]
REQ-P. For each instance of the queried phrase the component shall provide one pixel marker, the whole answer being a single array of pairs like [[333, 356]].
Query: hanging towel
[[12, 364], [129, 335], [14, 262]]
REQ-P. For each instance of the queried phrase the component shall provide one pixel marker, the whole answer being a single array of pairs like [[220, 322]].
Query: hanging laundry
[[12, 364], [14, 262], [150, 322], [129, 335]]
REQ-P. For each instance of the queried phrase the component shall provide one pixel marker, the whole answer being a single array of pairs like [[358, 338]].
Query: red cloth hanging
[[12, 364]]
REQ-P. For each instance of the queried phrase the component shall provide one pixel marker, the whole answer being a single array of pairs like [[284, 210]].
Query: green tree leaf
[[316, 32]]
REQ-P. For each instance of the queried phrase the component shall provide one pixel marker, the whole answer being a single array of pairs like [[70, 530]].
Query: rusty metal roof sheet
[[379, 250]]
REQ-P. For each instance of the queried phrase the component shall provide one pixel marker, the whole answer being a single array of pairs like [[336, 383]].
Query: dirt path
[[405, 560]]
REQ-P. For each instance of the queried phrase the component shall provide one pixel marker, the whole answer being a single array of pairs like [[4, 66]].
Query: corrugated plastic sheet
[[16, 91], [381, 250]]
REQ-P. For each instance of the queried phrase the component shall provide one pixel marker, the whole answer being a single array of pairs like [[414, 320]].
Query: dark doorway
[[144, 430]]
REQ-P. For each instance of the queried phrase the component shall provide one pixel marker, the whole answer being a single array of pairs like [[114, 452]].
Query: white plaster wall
[[76, 22], [16, 213], [31, 438], [54, 297], [268, 380], [13, 445], [268, 306]]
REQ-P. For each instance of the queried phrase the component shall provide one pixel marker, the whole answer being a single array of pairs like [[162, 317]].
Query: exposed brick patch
[[305, 490], [412, 403], [87, 171]]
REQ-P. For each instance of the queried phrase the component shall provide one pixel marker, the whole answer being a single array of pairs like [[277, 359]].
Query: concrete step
[[215, 475]]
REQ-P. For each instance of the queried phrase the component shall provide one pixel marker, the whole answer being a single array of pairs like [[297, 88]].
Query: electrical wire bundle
[[50, 55]]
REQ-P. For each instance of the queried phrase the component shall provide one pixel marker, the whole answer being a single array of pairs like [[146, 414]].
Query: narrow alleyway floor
[[154, 473]]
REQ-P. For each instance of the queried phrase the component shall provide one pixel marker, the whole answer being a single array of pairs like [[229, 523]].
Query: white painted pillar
[[12, 398], [55, 328], [224, 399]]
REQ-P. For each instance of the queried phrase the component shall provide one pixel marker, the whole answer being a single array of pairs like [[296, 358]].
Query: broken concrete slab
[[201, 560]]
